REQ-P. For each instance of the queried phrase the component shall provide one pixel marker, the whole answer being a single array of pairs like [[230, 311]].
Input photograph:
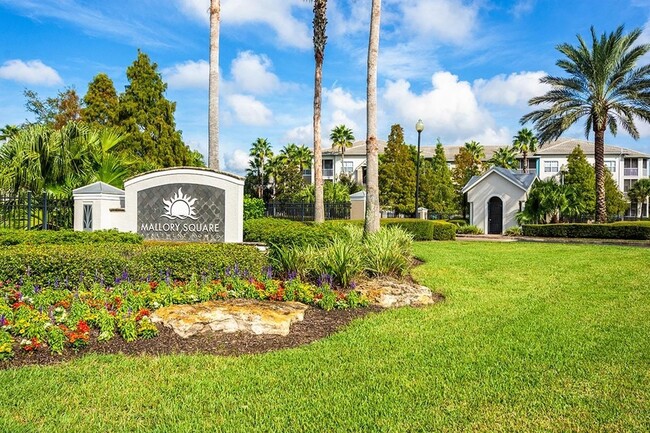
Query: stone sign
[[182, 212], [177, 204]]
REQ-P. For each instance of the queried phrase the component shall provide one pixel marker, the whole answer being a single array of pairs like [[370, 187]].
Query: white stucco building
[[495, 197]]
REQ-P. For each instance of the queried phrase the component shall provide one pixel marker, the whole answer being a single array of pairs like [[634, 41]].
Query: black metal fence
[[305, 211], [36, 211]]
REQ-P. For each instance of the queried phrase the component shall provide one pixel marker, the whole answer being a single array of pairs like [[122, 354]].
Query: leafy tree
[[525, 142], [397, 174], [547, 199], [196, 159], [332, 192], [580, 175], [342, 138], [56, 111], [505, 157], [148, 118], [605, 87], [615, 203], [101, 103], [8, 132], [476, 150], [639, 192], [466, 165], [437, 187]]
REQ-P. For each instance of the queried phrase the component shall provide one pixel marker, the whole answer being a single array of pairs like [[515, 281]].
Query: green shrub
[[443, 231], [66, 264], [342, 260], [513, 231], [39, 237], [253, 208], [621, 230], [422, 230], [388, 251], [286, 232], [458, 223], [468, 229]]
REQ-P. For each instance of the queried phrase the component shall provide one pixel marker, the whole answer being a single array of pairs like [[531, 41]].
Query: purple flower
[[269, 272], [37, 289], [3, 320]]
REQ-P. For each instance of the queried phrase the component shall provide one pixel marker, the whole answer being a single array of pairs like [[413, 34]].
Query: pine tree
[[437, 188], [581, 176], [101, 102], [466, 165], [148, 117], [397, 174]]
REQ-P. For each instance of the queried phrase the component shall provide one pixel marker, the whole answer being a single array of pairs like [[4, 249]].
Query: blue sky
[[467, 68]]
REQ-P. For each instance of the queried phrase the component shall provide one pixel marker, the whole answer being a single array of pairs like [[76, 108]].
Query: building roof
[[98, 188], [560, 147], [565, 147], [522, 180]]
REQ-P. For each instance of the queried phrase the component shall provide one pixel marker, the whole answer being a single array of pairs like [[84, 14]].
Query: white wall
[[494, 185]]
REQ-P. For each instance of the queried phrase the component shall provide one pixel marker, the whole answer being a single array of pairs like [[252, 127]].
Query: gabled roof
[[521, 180], [98, 188]]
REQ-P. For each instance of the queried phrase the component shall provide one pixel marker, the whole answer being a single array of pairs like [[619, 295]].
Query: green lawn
[[532, 337]]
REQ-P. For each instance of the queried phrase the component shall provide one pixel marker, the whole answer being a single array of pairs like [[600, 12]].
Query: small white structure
[[495, 197], [177, 204]]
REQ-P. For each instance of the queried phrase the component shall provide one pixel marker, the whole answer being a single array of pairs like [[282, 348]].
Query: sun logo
[[180, 206]]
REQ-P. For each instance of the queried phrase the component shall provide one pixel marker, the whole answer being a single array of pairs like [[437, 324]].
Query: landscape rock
[[232, 315], [390, 293]]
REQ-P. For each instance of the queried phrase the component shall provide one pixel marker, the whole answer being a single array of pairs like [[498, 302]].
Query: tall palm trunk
[[372, 149], [213, 108], [525, 162], [599, 153], [320, 22]]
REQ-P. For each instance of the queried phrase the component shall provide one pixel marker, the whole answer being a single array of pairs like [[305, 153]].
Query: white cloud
[[188, 74], [30, 72], [300, 134], [449, 110], [514, 89], [406, 61], [341, 108], [276, 14], [448, 20], [236, 161], [523, 7], [251, 74], [249, 110]]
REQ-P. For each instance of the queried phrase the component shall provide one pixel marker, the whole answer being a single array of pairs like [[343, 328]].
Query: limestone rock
[[389, 293], [232, 315]]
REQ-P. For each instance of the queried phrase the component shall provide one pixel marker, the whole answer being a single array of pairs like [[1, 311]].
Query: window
[[611, 166], [348, 167], [628, 183], [87, 219], [551, 166], [328, 168]]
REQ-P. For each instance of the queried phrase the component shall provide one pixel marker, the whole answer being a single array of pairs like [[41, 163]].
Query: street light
[[419, 127]]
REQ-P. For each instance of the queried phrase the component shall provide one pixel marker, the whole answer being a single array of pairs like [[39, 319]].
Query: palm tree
[[639, 192], [342, 137], [303, 157], [505, 157], [603, 86], [320, 39], [213, 108], [8, 132], [372, 148], [260, 152], [273, 170], [476, 150], [525, 142]]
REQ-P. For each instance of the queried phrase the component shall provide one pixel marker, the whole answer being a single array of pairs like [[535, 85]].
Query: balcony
[[631, 172]]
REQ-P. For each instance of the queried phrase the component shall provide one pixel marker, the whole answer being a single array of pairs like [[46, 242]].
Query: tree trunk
[[372, 150], [525, 162], [213, 108], [320, 23], [599, 151]]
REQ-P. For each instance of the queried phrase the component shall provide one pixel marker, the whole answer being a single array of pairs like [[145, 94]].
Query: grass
[[532, 337]]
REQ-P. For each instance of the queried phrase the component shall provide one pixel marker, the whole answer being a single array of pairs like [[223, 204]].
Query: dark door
[[495, 216]]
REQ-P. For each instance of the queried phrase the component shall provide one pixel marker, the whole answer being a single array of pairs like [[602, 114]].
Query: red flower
[[142, 313], [153, 285], [83, 327]]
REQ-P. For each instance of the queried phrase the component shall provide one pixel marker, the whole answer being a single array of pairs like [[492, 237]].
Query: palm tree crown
[[525, 142], [604, 86], [342, 137], [504, 157], [260, 152]]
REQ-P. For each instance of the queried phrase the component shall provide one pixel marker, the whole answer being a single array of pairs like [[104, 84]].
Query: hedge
[[38, 237], [286, 232], [47, 264], [422, 230], [620, 230]]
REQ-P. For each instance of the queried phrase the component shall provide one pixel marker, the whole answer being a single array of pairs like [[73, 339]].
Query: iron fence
[[305, 211], [36, 211]]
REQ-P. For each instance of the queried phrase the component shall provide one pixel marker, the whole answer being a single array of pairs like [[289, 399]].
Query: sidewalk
[[501, 238]]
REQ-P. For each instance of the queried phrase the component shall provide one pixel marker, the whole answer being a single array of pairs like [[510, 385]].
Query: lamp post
[[419, 127]]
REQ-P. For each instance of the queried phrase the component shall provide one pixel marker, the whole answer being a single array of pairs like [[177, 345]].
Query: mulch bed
[[316, 325]]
